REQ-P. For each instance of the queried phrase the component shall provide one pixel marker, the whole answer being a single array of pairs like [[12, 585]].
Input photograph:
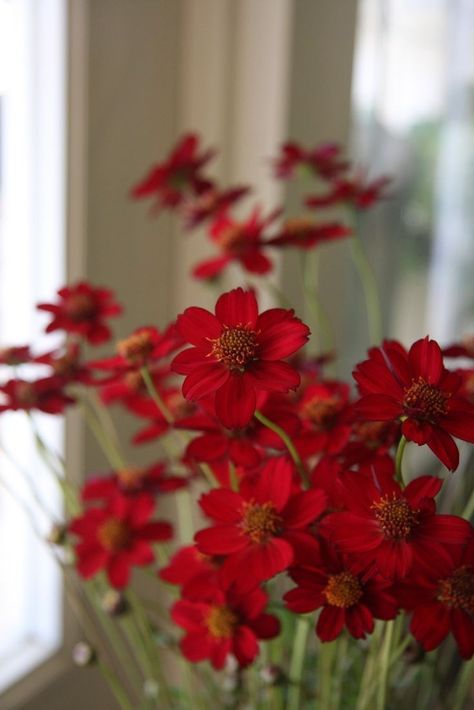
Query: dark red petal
[[330, 623], [188, 615], [118, 570], [273, 376], [245, 646], [196, 646], [197, 324], [426, 359], [430, 625], [302, 601], [359, 621], [282, 339], [220, 540], [377, 408], [210, 267], [91, 561], [463, 630], [304, 508], [422, 487], [187, 360], [204, 380], [222, 505], [235, 402], [207, 447], [444, 447], [237, 307]]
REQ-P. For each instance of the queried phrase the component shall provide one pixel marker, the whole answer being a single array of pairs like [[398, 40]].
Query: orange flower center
[[343, 590], [25, 393], [232, 237], [458, 590], [322, 412], [395, 517], [370, 433], [114, 535], [221, 621], [65, 365], [425, 400], [298, 226], [131, 477], [260, 521], [134, 381], [80, 306], [137, 347], [235, 347]]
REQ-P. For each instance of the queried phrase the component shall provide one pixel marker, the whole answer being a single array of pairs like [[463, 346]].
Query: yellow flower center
[[80, 306], [424, 400], [343, 590], [458, 590], [137, 347], [114, 535], [235, 347], [322, 412], [395, 517], [220, 622], [260, 521]]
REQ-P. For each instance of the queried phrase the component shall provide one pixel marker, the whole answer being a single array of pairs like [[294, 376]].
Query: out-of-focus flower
[[356, 192], [324, 161], [46, 395], [304, 233]]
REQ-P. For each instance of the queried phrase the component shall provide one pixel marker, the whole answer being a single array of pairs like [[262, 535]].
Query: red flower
[[347, 598], [224, 623], [236, 353], [304, 233], [370, 441], [132, 481], [416, 389], [237, 241], [442, 601], [66, 364], [15, 355], [324, 410], [463, 349], [210, 203], [117, 536], [82, 310], [168, 182], [324, 160], [194, 572], [260, 528], [352, 191], [391, 529], [46, 395]]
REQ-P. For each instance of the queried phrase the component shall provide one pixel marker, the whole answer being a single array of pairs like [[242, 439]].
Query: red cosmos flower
[[238, 241], [15, 355], [370, 441], [82, 310], [416, 389], [260, 528], [117, 536], [390, 529], [66, 364], [132, 481], [210, 203], [462, 349], [46, 395], [169, 181], [180, 409], [224, 623], [326, 415], [352, 191], [442, 601], [236, 353], [347, 598], [303, 233], [324, 160]]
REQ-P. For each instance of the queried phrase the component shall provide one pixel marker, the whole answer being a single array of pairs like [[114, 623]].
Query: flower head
[[236, 353]]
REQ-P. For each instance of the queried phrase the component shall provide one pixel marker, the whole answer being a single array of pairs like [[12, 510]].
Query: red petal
[[235, 402], [463, 630], [118, 570], [245, 646], [237, 307], [422, 487], [220, 540], [222, 505], [330, 623], [204, 380], [197, 324], [302, 601], [444, 447], [273, 376], [426, 359], [304, 508], [282, 339]]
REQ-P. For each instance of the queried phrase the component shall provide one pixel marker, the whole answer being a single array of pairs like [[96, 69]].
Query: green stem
[[111, 452], [287, 441], [399, 459], [326, 659], [115, 686], [369, 284], [469, 509], [297, 664], [385, 666], [462, 687], [318, 311]]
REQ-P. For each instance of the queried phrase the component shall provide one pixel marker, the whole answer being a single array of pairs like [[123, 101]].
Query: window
[[31, 268]]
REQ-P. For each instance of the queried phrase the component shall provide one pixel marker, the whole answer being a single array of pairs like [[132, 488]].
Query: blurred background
[[93, 92]]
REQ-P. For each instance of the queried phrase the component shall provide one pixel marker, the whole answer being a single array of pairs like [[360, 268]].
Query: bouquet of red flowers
[[296, 559]]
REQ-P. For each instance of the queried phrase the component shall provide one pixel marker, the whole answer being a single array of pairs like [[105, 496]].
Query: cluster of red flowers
[[303, 472], [179, 184]]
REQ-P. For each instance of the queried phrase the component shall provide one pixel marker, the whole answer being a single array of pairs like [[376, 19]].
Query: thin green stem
[[369, 284], [297, 663], [287, 441], [463, 685], [469, 509], [399, 460], [385, 666], [115, 686], [317, 309], [110, 450]]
